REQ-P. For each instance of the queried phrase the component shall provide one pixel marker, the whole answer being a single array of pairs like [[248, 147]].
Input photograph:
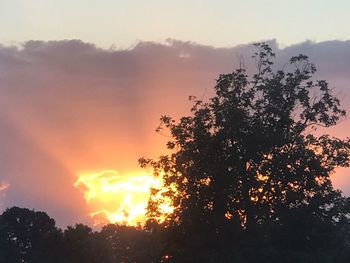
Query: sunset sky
[[83, 83]]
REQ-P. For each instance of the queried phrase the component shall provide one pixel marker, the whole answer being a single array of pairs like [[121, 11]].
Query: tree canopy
[[27, 236], [248, 166]]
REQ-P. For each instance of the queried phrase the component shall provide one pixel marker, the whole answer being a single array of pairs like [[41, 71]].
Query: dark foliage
[[28, 236], [31, 237], [248, 174]]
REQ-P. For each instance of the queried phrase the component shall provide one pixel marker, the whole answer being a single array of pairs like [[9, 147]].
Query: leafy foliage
[[26, 236], [249, 165], [31, 237]]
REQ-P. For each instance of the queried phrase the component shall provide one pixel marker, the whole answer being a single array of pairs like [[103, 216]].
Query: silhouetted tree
[[248, 172], [28, 236], [81, 244], [130, 244], [31, 237]]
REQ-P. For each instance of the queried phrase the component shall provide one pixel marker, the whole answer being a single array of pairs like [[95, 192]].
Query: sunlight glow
[[4, 186], [121, 199]]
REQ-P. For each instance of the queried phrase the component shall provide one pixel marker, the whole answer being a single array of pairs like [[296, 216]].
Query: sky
[[122, 24], [83, 83]]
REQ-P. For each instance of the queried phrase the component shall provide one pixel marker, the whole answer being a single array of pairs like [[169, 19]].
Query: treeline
[[30, 236]]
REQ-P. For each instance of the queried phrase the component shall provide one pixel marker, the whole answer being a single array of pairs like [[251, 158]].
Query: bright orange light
[[116, 198], [3, 186], [228, 215]]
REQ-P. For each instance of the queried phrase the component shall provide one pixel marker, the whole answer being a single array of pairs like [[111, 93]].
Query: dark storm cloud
[[68, 106]]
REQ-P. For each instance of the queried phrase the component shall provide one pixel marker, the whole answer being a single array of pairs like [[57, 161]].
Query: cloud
[[69, 107]]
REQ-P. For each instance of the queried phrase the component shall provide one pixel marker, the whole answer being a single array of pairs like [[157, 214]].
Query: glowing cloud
[[115, 198]]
